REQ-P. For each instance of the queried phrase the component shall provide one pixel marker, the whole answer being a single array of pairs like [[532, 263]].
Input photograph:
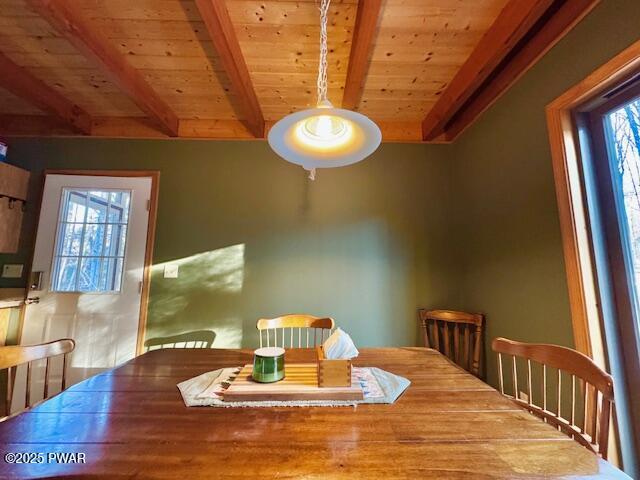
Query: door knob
[[32, 300]]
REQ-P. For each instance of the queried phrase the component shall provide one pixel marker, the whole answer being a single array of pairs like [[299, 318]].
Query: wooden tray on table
[[300, 383]]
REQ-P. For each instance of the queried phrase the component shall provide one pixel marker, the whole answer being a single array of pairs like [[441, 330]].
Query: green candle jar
[[268, 364]]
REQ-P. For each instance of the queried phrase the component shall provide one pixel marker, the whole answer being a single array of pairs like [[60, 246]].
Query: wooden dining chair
[[303, 328], [458, 335], [195, 339], [595, 385], [15, 355]]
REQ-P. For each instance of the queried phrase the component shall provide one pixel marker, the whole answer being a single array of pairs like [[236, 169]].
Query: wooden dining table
[[131, 422]]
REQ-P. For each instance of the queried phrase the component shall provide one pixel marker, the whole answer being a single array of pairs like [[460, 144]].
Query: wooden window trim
[[573, 215]]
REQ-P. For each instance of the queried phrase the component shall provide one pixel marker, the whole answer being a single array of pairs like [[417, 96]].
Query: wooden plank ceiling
[[229, 69]]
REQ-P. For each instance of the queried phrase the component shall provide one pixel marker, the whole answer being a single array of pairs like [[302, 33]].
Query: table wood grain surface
[[131, 422]]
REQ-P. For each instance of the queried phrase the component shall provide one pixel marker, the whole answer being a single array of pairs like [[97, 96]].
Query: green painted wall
[[472, 225], [365, 244], [510, 253]]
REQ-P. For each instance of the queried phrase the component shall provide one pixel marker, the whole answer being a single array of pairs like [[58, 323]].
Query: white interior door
[[90, 250]]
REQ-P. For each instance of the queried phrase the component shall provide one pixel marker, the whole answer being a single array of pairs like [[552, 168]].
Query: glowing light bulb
[[324, 131], [323, 126]]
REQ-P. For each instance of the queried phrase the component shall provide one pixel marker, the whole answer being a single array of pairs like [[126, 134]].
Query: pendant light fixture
[[325, 136]]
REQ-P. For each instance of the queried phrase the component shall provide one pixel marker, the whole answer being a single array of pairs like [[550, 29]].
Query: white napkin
[[339, 345], [206, 389]]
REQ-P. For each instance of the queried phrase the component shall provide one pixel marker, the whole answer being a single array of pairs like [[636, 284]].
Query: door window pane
[[71, 239], [66, 277], [91, 239]]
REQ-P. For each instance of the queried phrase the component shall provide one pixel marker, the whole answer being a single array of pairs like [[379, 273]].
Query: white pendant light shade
[[324, 137]]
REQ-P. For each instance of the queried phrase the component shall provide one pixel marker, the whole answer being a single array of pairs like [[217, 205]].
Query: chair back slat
[[436, 335], [446, 339], [457, 335], [597, 390], [14, 355], [477, 346], [466, 350], [311, 331]]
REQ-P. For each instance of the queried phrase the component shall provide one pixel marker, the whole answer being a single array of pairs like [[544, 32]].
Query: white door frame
[[154, 175]]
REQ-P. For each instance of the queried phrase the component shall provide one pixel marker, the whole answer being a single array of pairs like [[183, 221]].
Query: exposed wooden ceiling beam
[[513, 23], [23, 84], [65, 17], [222, 34], [141, 127], [559, 24], [361, 47]]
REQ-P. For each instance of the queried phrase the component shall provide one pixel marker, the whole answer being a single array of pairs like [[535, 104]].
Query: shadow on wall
[[360, 274], [205, 296], [195, 339]]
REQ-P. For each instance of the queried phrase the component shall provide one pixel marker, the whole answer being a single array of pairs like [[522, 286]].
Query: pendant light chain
[[322, 67]]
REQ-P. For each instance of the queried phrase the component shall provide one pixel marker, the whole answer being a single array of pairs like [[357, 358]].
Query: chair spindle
[[46, 379], [594, 414], [7, 406], [544, 387], [529, 392], [27, 392], [500, 377], [586, 408], [559, 394], [573, 399], [514, 372]]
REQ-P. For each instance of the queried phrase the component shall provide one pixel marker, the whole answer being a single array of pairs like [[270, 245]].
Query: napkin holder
[[333, 372]]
